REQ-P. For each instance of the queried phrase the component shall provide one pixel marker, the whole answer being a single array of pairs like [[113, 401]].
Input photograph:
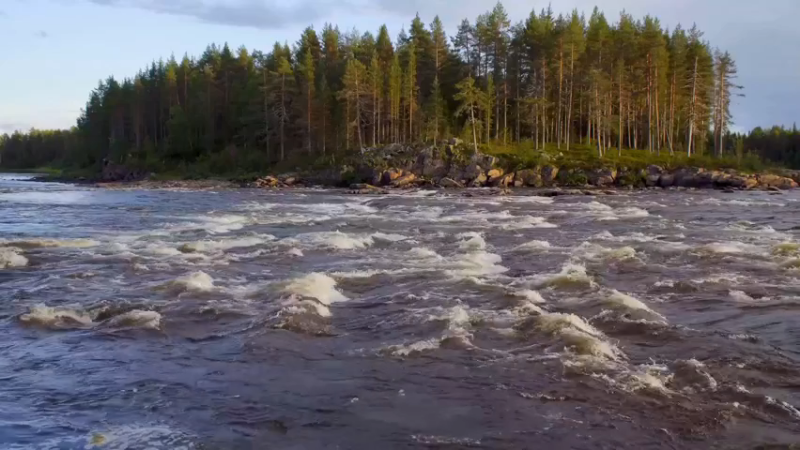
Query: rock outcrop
[[453, 166]]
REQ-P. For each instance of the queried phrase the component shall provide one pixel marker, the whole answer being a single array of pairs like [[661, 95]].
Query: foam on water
[[471, 241], [194, 282], [49, 243], [296, 252], [534, 246], [223, 224], [728, 248], [136, 319], [740, 296], [528, 222], [337, 240], [571, 275], [11, 257], [413, 348], [791, 264], [592, 251], [423, 252], [210, 245], [631, 237], [56, 317], [786, 249], [477, 264], [317, 286], [619, 301]]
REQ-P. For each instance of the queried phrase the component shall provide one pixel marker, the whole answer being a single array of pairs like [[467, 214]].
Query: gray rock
[[653, 175], [602, 177], [549, 174], [450, 183], [530, 177]]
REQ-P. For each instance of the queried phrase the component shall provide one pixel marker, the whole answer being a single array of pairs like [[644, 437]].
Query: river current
[[314, 319]]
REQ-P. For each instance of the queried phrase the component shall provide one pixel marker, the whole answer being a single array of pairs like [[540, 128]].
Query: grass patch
[[581, 156]]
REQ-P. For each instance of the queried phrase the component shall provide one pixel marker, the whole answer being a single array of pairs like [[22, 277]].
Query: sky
[[56, 51]]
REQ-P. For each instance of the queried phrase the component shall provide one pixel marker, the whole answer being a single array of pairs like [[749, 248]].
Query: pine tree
[[470, 100]]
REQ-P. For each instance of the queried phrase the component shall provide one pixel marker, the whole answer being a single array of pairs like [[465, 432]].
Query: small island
[[546, 100]]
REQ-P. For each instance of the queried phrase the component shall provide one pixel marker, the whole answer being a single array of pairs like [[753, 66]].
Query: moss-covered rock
[[549, 174], [530, 177]]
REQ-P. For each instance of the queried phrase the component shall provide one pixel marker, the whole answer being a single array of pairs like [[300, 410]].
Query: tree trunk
[[283, 116], [690, 135], [266, 116], [619, 137], [474, 132], [568, 125], [560, 94]]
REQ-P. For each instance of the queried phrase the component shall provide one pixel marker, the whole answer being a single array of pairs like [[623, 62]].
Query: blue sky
[[55, 51]]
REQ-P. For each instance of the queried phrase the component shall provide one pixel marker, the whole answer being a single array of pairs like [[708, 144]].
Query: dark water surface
[[316, 320]]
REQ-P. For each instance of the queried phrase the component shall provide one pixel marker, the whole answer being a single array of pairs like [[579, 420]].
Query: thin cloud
[[10, 127], [42, 34], [263, 14]]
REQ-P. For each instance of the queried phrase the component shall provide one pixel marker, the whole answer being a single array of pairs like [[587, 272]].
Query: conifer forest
[[609, 83]]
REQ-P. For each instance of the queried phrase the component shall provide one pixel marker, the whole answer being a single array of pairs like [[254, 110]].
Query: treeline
[[547, 80]]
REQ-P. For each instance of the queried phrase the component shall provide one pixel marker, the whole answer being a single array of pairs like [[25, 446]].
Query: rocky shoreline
[[402, 168], [398, 167]]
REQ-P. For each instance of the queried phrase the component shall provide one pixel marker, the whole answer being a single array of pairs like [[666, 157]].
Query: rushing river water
[[310, 319]]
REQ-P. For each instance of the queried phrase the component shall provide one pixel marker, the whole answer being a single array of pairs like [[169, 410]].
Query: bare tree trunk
[[266, 116], [505, 109], [517, 131], [671, 137], [649, 105], [308, 119], [474, 132], [690, 135], [560, 94], [619, 138], [283, 115], [658, 116], [358, 113], [597, 109], [568, 125]]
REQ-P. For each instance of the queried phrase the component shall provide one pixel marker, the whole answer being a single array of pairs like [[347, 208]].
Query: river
[[313, 319]]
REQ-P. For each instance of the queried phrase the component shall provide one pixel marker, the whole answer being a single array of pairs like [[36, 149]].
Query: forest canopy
[[545, 80]]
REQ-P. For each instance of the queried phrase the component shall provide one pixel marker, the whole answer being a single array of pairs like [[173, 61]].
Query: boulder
[[529, 177], [484, 160], [390, 175], [776, 181], [479, 181], [572, 177], [267, 182], [667, 179], [118, 172], [693, 177], [506, 180], [549, 174], [429, 164], [631, 178], [450, 183], [366, 174], [653, 175], [518, 183], [495, 176], [404, 181], [602, 177], [472, 172]]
